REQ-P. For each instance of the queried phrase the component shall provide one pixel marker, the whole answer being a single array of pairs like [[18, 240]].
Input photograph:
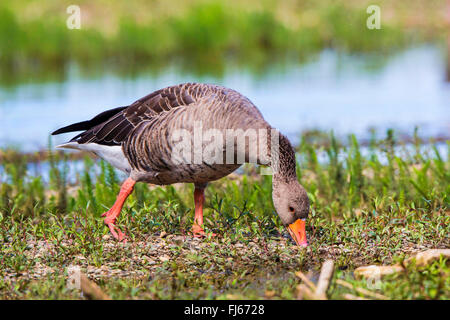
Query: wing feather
[[113, 127]]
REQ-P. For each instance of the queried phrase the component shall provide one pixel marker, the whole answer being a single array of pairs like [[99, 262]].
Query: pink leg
[[113, 213], [199, 199]]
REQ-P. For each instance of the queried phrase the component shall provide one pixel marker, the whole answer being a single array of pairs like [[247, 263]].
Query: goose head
[[289, 197], [292, 205]]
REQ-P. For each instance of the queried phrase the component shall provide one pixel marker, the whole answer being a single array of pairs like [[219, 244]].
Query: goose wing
[[113, 127]]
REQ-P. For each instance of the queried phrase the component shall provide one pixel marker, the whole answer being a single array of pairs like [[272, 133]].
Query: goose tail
[[69, 145]]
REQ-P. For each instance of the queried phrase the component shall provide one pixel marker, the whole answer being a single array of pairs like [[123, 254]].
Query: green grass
[[201, 35], [374, 205]]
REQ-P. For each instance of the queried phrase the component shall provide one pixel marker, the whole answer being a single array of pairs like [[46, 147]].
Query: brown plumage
[[142, 139]]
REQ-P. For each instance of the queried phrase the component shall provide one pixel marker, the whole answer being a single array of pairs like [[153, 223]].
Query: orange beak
[[298, 232]]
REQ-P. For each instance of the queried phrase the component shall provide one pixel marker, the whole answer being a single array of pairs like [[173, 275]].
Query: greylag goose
[[192, 133]]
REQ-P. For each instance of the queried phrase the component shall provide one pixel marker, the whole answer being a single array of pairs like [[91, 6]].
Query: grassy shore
[[374, 205], [204, 34]]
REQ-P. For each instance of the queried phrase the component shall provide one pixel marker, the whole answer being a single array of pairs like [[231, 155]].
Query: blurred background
[[309, 65]]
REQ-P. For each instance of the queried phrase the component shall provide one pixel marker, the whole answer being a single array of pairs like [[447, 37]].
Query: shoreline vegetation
[[204, 35], [364, 210], [317, 138]]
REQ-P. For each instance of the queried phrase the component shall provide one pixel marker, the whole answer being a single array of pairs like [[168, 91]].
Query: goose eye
[[291, 209]]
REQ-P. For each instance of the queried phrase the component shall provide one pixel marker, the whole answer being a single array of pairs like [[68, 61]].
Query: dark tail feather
[[73, 127], [86, 125]]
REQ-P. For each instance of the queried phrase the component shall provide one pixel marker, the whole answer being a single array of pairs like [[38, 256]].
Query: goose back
[[145, 131], [150, 148]]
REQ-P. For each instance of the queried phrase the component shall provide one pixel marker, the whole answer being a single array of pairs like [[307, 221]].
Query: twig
[[309, 290], [349, 296], [361, 290], [324, 279], [304, 291], [306, 280], [424, 258], [91, 289]]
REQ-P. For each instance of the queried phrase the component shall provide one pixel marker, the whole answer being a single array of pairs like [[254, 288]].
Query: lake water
[[347, 94]]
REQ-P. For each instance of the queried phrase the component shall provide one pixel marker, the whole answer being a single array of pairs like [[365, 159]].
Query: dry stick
[[91, 289], [305, 279], [304, 291], [309, 289], [361, 290], [324, 279], [349, 296]]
